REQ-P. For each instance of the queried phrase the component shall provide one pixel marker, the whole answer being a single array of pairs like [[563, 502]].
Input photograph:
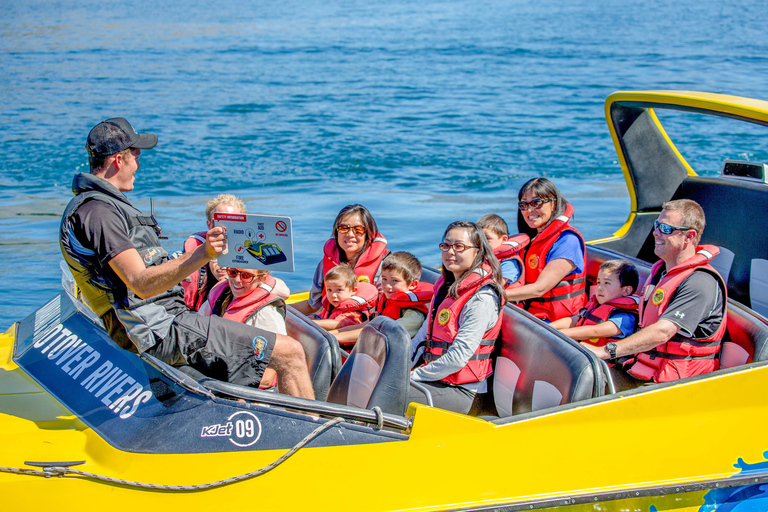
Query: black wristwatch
[[610, 347]]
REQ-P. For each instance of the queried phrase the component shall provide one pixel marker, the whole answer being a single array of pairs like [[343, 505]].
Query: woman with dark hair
[[355, 241], [556, 259], [451, 352]]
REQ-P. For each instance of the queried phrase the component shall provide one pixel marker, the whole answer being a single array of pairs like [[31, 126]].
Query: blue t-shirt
[[510, 271], [626, 322], [569, 247]]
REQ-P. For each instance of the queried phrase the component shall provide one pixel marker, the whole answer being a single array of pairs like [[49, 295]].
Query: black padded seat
[[376, 372], [538, 368], [321, 350]]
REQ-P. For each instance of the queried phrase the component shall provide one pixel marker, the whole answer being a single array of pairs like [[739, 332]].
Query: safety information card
[[257, 242]]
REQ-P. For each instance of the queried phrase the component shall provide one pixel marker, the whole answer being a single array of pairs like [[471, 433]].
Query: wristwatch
[[610, 347]]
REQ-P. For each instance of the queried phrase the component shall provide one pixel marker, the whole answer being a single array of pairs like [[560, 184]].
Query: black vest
[[145, 321]]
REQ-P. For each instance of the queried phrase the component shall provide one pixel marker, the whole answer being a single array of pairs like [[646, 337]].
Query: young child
[[346, 301], [611, 313], [508, 250], [403, 297]]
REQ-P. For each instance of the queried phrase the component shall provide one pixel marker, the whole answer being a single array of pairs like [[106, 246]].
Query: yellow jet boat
[[86, 425]]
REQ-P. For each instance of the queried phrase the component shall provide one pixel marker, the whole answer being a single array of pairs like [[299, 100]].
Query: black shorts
[[219, 348]]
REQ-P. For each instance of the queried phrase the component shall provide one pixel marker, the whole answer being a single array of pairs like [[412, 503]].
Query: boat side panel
[[134, 407]]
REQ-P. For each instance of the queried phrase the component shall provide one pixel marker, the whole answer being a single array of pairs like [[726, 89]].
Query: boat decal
[[66, 352], [242, 428]]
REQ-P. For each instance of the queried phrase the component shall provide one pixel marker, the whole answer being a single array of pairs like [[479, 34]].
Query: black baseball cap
[[115, 135]]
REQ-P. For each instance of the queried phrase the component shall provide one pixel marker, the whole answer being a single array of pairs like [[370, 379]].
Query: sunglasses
[[346, 228], [457, 247], [533, 205], [245, 277], [666, 229]]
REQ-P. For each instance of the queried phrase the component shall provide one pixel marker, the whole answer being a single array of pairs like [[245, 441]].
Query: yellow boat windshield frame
[[651, 163]]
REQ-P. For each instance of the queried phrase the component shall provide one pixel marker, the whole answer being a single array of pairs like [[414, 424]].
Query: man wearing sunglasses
[[682, 311], [130, 281]]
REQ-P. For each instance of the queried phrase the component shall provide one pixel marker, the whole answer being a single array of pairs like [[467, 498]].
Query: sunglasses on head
[[346, 228], [667, 229], [533, 205], [245, 277]]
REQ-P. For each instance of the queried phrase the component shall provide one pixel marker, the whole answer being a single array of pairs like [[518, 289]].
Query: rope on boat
[[61, 471]]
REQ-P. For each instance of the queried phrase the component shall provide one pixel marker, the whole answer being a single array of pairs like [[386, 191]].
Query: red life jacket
[[443, 326], [680, 357], [367, 264], [241, 309], [568, 296], [513, 249], [364, 301], [417, 299], [595, 313], [195, 283]]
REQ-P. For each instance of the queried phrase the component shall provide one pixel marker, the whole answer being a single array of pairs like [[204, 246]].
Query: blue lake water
[[426, 112]]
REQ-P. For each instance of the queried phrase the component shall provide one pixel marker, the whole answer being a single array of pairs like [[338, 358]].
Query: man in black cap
[[129, 280]]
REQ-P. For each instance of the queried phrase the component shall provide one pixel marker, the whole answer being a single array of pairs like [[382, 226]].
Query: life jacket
[[364, 301], [513, 249], [679, 357], [145, 321], [443, 326], [568, 296], [595, 313], [367, 264], [417, 299], [241, 309], [195, 284]]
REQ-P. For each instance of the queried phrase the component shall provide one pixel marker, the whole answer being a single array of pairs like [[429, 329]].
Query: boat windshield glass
[[706, 141]]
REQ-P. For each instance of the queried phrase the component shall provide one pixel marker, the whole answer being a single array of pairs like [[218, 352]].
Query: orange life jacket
[[514, 249], [679, 357], [595, 313], [568, 296], [243, 308], [240, 309], [195, 284], [417, 299], [364, 301], [367, 264], [443, 325]]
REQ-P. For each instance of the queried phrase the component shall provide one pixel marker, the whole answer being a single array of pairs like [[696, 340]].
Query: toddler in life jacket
[[403, 297], [611, 312], [347, 301], [508, 250]]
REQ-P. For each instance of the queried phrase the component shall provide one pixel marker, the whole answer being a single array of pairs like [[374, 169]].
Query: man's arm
[[146, 282], [645, 339]]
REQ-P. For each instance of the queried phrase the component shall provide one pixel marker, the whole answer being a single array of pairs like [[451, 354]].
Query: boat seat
[[538, 368], [758, 285], [746, 338], [321, 350], [376, 372], [723, 262]]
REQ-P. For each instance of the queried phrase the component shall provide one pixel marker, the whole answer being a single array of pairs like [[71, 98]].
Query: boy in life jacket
[[346, 301], [403, 297], [611, 313], [508, 250]]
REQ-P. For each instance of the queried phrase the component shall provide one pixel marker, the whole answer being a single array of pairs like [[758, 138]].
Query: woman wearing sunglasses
[[556, 259], [452, 350], [247, 296], [355, 241]]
